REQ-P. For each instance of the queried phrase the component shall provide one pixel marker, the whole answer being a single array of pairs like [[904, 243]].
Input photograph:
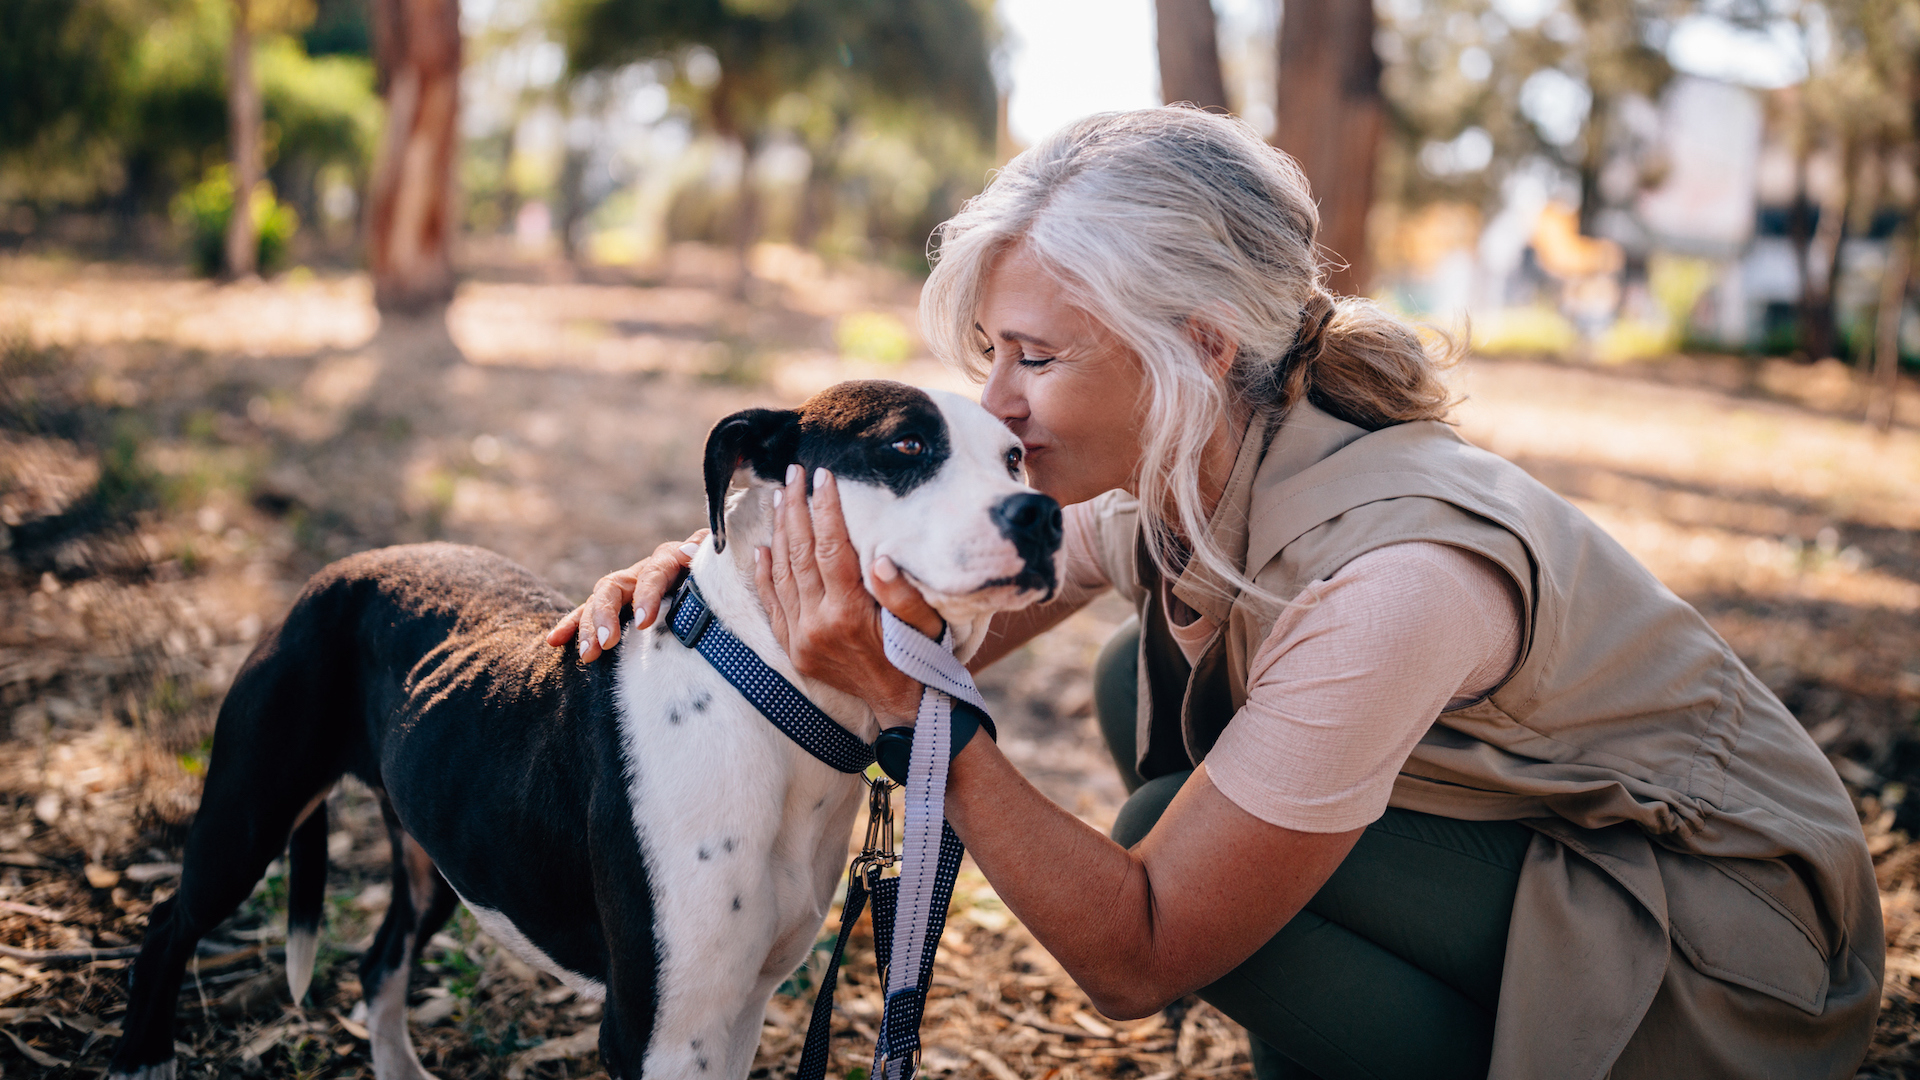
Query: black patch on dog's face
[[874, 432], [761, 439]]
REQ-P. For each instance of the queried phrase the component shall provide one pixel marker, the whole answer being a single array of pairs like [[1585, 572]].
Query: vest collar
[[1273, 451]]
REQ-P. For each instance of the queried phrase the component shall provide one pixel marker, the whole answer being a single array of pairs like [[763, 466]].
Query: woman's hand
[[644, 585], [823, 615]]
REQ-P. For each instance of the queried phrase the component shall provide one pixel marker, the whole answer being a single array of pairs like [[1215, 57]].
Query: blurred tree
[[63, 84], [1187, 40], [847, 62], [1329, 115], [243, 142], [410, 206]]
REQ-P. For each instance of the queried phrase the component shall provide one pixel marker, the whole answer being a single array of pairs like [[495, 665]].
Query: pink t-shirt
[[1352, 674]]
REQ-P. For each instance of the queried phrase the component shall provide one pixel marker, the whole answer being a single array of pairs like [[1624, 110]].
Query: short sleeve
[[1354, 672]]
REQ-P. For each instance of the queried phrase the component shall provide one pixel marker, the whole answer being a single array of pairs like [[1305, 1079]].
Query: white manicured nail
[[604, 634], [689, 550], [820, 477], [777, 492], [759, 555], [793, 474], [884, 569], [584, 642]]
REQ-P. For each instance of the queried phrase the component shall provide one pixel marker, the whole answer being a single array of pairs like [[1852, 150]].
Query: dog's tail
[[306, 896]]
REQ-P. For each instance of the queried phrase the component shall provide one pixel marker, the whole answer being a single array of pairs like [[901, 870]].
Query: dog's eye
[[1013, 462], [909, 446]]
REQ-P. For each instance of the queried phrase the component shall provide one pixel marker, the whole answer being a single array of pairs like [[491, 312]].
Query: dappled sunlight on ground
[[176, 458]]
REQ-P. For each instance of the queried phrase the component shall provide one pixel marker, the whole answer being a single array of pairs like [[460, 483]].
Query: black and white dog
[[632, 826]]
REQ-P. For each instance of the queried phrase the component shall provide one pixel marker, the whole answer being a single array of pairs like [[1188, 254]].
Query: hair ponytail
[[1366, 367]]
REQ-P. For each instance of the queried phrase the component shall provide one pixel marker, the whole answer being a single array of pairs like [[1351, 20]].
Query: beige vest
[[1699, 900]]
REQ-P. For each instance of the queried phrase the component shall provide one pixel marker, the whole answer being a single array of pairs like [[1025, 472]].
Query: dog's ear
[[764, 440]]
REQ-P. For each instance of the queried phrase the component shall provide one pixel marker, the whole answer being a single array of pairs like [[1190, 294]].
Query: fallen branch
[[69, 956]]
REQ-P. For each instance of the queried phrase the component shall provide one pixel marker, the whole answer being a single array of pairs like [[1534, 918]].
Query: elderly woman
[[1429, 776]]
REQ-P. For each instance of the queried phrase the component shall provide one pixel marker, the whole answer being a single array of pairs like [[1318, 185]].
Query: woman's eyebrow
[[1016, 335]]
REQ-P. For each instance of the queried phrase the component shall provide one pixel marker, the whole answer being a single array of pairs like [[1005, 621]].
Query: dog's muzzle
[[1033, 524]]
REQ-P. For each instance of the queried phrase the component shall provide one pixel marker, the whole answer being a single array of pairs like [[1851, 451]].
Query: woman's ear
[[764, 440], [1216, 346]]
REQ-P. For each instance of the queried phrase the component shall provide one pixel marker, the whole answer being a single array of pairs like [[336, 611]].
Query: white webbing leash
[[930, 852]]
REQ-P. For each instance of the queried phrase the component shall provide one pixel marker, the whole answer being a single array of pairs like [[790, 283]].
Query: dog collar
[[693, 624]]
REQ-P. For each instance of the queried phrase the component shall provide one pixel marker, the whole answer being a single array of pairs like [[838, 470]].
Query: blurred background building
[[1607, 179]]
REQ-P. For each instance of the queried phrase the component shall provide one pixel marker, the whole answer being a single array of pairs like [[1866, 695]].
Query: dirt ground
[[177, 457]]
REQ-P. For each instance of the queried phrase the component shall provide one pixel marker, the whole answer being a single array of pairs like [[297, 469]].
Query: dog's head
[[927, 478]]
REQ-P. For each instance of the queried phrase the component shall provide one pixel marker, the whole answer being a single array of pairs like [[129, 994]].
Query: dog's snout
[[1032, 518]]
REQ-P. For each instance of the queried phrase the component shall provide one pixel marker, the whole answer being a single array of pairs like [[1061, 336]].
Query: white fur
[[963, 550], [728, 810], [393, 1056], [302, 947], [501, 930]]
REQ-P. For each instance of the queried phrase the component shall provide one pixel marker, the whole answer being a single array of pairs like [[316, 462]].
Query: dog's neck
[[727, 582]]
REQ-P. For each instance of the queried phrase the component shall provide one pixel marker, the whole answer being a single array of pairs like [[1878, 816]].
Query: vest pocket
[[1728, 931]]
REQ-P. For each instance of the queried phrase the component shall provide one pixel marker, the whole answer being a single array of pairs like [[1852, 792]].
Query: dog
[[632, 826]]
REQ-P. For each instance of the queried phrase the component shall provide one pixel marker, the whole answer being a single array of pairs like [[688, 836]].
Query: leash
[[910, 909]]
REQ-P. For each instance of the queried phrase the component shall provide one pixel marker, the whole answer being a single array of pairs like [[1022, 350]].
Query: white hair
[[1150, 219]]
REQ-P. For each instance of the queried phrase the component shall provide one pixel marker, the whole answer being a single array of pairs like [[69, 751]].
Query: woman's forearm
[[1082, 895], [1137, 928]]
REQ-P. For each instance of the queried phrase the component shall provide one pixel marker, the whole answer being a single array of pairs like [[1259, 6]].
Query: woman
[[1430, 777]]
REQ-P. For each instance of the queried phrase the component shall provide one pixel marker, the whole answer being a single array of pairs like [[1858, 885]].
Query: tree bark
[[243, 139], [1329, 115], [1884, 391], [411, 217], [1189, 47]]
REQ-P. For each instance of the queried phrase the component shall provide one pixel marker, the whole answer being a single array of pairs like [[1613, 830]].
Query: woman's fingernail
[[777, 492], [884, 569], [603, 635], [793, 474], [585, 643], [759, 555], [689, 550], [820, 478]]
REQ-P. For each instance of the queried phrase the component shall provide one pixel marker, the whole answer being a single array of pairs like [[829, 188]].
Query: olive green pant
[[1393, 969]]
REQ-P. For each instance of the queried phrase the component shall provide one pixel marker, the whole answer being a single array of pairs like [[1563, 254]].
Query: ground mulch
[[176, 458]]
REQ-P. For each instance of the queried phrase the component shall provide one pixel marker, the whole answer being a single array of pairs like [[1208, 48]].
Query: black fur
[[854, 430], [422, 670]]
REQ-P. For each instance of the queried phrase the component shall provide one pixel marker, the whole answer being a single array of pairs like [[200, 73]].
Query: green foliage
[[205, 209], [63, 70], [930, 52], [104, 97]]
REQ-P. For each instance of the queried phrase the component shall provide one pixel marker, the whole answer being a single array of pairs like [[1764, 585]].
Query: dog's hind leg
[[245, 818], [422, 902]]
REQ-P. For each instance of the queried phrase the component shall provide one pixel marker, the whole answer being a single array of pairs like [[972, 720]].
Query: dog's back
[[408, 667]]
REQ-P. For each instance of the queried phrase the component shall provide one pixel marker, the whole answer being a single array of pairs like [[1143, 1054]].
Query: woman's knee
[[1145, 806]]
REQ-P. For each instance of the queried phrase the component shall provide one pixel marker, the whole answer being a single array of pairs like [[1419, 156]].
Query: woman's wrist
[[897, 704]]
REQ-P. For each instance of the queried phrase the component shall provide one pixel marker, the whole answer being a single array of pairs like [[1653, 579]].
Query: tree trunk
[[1328, 115], [1189, 53], [243, 140], [1884, 391], [410, 208]]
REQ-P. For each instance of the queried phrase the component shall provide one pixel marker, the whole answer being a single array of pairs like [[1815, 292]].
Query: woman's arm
[[644, 585], [1137, 928]]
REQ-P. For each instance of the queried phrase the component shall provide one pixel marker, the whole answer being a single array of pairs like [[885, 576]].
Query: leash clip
[[691, 637], [877, 852]]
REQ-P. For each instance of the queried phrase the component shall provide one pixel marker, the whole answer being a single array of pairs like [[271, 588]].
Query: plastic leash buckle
[[691, 637]]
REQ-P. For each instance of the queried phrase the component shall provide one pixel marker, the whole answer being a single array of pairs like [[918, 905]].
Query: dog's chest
[[744, 834]]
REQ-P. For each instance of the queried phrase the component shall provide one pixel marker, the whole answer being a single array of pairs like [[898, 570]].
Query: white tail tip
[[302, 947]]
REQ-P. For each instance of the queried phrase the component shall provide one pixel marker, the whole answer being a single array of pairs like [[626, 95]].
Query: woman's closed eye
[[1036, 361]]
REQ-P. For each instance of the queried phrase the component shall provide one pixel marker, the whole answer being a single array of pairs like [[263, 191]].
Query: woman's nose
[[1001, 397]]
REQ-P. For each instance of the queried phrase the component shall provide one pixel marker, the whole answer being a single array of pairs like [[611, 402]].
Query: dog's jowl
[[631, 826]]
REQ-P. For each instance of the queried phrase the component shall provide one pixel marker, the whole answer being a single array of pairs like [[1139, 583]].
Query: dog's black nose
[[1030, 519]]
